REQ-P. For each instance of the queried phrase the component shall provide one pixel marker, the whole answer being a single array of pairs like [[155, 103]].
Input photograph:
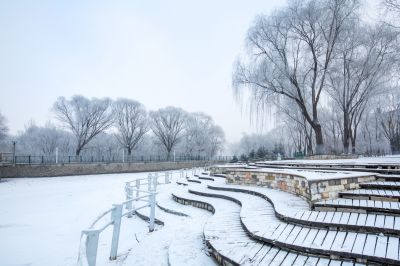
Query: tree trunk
[[129, 151], [346, 134], [395, 145], [78, 151], [353, 145], [319, 149]]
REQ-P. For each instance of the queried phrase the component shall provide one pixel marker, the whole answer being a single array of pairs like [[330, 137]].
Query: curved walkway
[[293, 209], [258, 218], [230, 243]]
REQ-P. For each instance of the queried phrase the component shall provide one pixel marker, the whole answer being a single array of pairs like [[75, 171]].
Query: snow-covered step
[[388, 178], [362, 206], [259, 220], [202, 177], [381, 185], [232, 246], [371, 194], [166, 203], [182, 182], [301, 213], [193, 180], [144, 214]]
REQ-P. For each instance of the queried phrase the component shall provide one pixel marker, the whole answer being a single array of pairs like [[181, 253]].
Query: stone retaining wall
[[311, 190], [9, 171]]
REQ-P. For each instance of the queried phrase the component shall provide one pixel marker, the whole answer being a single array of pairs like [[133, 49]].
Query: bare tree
[[196, 136], [3, 127], [37, 140], [85, 118], [389, 118], [216, 140], [299, 129], [167, 125], [291, 53], [131, 122], [366, 57], [202, 137], [393, 5]]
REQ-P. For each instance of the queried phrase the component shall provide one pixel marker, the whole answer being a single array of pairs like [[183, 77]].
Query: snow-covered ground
[[41, 220]]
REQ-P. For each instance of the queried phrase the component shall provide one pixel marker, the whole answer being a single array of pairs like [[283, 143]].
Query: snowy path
[[41, 220]]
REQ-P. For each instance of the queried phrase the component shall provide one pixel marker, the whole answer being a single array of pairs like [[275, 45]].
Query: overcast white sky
[[157, 52], [161, 53]]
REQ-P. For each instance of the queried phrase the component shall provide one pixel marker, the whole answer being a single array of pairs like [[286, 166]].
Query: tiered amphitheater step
[[293, 209], [371, 194], [388, 178], [144, 214], [232, 246], [258, 219], [181, 181], [381, 185], [361, 206]]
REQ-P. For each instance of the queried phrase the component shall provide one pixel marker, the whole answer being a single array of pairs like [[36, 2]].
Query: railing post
[[92, 242], [129, 196], [152, 199], [116, 217], [137, 188], [155, 181], [166, 177], [149, 177]]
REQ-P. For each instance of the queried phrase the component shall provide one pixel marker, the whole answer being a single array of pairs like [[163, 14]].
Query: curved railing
[[90, 236], [144, 190]]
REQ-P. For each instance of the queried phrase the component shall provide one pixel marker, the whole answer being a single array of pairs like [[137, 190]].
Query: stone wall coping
[[310, 175]]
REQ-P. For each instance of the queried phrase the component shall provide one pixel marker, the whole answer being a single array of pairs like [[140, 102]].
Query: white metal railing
[[90, 237], [145, 190]]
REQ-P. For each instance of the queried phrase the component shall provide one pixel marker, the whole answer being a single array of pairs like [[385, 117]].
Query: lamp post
[[13, 160]]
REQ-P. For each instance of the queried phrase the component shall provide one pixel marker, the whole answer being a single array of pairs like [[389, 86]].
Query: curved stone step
[[381, 185], [144, 214], [371, 194], [259, 220], [167, 204], [301, 214], [361, 206], [181, 182], [206, 178], [193, 180], [388, 177], [232, 246]]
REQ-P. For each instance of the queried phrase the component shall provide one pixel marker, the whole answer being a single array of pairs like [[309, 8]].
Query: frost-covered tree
[[167, 125], [202, 137], [290, 54], [216, 140], [365, 59], [131, 122], [3, 127], [37, 140], [86, 118], [389, 118]]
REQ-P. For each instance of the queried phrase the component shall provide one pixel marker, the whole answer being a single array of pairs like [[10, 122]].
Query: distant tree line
[[102, 127], [330, 77]]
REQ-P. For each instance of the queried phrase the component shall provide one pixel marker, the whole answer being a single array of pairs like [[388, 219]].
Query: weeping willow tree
[[290, 54]]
